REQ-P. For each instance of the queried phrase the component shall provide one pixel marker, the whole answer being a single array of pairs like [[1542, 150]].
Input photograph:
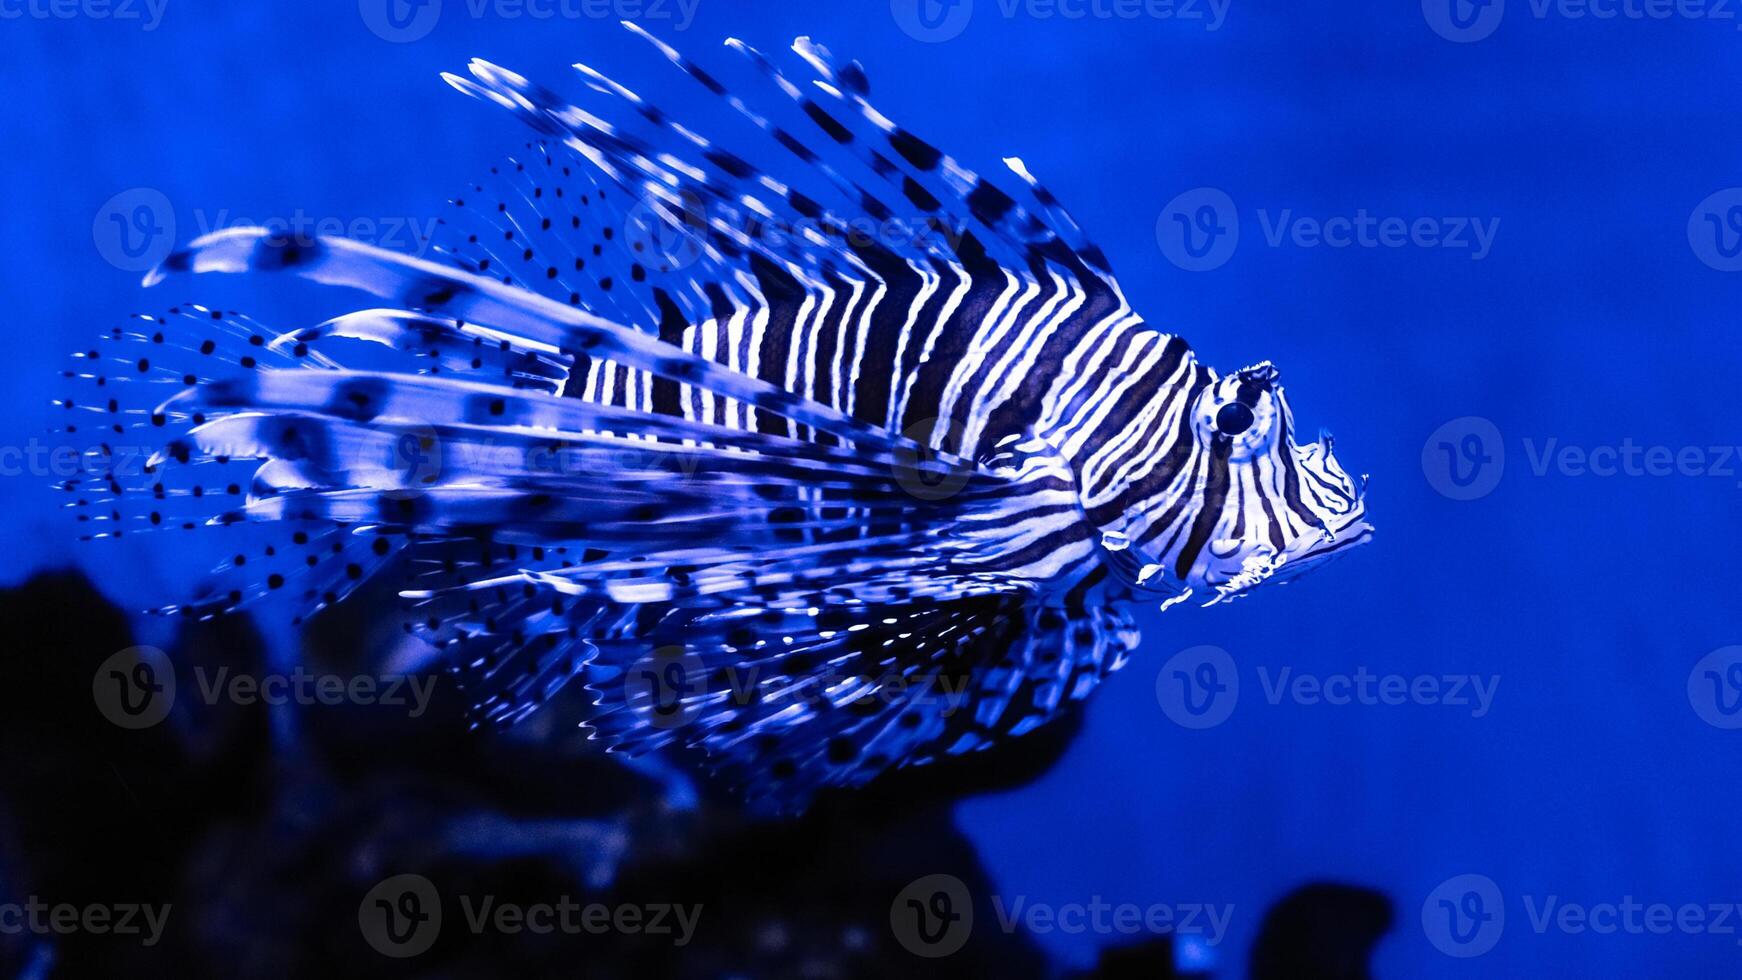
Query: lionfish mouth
[[1304, 555], [1231, 568]]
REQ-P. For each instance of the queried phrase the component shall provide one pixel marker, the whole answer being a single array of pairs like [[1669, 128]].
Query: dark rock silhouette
[[1321, 931], [264, 829], [264, 845]]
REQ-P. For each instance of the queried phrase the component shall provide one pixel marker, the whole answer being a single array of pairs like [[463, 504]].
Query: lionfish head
[[1287, 507], [1267, 507]]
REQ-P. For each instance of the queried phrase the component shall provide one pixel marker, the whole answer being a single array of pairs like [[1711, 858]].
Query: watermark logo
[[1715, 688], [1465, 458], [932, 21], [1464, 21], [920, 472], [410, 454], [933, 916], [1464, 916], [401, 917], [1198, 687], [664, 687], [1199, 229], [135, 229], [135, 688], [667, 235], [1715, 230], [400, 21]]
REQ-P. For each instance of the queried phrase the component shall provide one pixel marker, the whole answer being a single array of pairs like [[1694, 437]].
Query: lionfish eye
[[1233, 419]]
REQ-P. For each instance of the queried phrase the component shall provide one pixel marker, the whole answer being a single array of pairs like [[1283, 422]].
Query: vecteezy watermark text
[[402, 917], [1211, 14], [404, 234], [403, 21], [1363, 230], [1199, 688], [934, 917], [1102, 918], [136, 229], [136, 688], [1468, 21], [1464, 459], [1466, 916], [1200, 229], [149, 13], [934, 21], [1363, 687], [666, 688], [35, 916]]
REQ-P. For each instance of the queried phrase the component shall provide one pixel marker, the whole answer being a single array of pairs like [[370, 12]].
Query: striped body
[[959, 361]]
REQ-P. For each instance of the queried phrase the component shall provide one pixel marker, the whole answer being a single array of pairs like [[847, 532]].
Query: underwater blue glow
[[1497, 257]]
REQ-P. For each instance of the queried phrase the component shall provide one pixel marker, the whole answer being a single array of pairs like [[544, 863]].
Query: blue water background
[[1593, 320]]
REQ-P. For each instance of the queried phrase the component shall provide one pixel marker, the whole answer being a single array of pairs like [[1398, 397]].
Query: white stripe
[[1003, 380], [1169, 404], [880, 288], [804, 339], [758, 331], [1080, 429], [1003, 311], [1098, 343], [929, 281], [1138, 465], [836, 395], [965, 284]]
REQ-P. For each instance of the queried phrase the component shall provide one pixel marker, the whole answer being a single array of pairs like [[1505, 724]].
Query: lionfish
[[818, 503]]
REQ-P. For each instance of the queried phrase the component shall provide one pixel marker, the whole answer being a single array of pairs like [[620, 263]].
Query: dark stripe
[[706, 79], [730, 163], [828, 123], [1215, 497], [915, 150], [1275, 525], [920, 197], [671, 327], [784, 295], [988, 203]]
